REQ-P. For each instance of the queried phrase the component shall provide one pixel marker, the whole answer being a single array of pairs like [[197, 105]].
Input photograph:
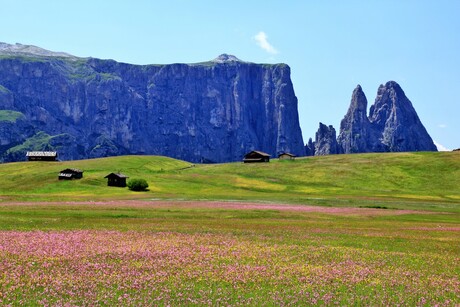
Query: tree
[[138, 185]]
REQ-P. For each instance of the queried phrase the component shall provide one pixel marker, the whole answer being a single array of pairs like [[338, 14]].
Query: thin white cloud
[[262, 40], [440, 147], [442, 126]]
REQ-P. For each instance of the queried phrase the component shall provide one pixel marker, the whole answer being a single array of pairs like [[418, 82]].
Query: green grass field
[[396, 180], [314, 231]]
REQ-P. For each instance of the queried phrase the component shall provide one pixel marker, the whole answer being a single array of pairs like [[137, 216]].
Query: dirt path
[[226, 205]]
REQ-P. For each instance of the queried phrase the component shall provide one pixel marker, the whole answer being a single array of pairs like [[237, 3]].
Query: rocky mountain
[[213, 111], [326, 141], [392, 126], [28, 50], [310, 148], [355, 129], [396, 121]]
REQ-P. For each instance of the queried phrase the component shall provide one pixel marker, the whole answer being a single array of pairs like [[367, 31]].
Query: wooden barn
[[41, 155], [256, 156], [286, 156], [70, 173], [116, 180]]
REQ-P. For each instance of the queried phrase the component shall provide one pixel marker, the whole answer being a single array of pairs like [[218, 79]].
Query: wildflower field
[[363, 230], [144, 253]]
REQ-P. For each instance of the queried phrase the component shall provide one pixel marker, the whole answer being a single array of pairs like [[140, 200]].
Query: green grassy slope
[[9, 115], [39, 180], [426, 179]]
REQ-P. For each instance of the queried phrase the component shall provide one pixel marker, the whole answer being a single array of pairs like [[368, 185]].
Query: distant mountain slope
[[214, 111]]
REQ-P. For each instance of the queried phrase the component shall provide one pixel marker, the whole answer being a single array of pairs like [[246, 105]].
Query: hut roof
[[41, 154], [118, 175], [261, 153], [71, 170], [287, 154]]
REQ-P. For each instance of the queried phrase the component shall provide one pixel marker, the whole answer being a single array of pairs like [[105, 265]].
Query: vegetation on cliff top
[[9, 115]]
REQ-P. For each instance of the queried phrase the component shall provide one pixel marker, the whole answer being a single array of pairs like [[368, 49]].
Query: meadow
[[395, 180], [366, 230]]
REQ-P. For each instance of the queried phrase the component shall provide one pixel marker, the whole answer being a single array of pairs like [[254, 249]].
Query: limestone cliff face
[[392, 126], [396, 121], [326, 142], [310, 148], [214, 111], [355, 130]]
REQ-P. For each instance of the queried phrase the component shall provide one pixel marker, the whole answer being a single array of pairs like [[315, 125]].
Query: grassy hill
[[422, 180], [201, 253], [39, 180]]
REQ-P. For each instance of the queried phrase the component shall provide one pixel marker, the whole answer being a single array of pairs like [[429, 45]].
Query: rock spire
[[392, 126]]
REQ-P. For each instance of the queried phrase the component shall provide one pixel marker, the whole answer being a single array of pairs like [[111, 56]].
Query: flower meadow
[[216, 259]]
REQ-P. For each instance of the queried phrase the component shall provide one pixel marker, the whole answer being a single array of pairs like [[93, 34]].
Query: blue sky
[[331, 46]]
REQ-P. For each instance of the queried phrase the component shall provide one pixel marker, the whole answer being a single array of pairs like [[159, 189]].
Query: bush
[[138, 185]]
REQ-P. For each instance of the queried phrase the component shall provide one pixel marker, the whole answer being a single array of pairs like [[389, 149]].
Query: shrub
[[138, 185]]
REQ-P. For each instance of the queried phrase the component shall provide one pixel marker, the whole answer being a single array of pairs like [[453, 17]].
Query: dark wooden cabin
[[286, 156], [116, 180], [41, 155], [256, 156], [70, 173]]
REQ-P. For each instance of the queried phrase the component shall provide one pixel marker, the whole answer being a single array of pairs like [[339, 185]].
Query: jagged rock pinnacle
[[354, 127], [392, 126], [394, 118], [326, 142]]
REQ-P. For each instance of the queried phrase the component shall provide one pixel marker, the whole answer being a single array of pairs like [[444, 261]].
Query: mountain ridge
[[20, 49], [211, 111]]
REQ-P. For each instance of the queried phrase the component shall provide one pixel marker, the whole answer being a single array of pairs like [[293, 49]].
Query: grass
[[4, 89], [9, 115], [106, 248], [428, 181], [176, 254], [36, 142], [38, 180], [23, 58]]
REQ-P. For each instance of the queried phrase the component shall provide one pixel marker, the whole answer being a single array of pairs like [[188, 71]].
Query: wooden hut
[[116, 180], [41, 155], [70, 173], [286, 156], [256, 156]]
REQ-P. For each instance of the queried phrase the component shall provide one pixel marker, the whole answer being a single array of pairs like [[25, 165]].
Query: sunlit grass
[[149, 253], [391, 180], [81, 242]]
